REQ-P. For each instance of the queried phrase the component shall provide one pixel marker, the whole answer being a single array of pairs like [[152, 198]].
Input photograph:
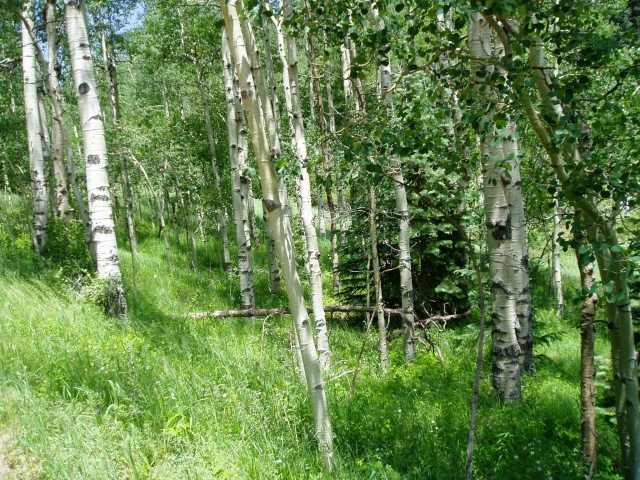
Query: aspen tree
[[66, 142], [245, 261], [282, 235], [587, 346], [35, 133], [506, 349], [304, 193], [611, 261], [402, 210], [59, 168], [95, 151]]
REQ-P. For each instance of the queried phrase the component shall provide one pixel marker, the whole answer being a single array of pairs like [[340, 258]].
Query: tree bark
[[95, 150], [402, 211], [282, 235]]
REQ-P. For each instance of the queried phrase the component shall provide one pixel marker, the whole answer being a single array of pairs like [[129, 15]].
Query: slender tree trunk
[[127, 193], [402, 211], [506, 348], [59, 168], [245, 260], [282, 235], [325, 153], [110, 70], [382, 326], [163, 227], [35, 135], [304, 193], [587, 348], [95, 150], [557, 267]]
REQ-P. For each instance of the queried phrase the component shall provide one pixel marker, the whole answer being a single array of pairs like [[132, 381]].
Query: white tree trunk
[[243, 242], [402, 210], [557, 267], [282, 235], [59, 168], [95, 151], [506, 349], [35, 135], [304, 193]]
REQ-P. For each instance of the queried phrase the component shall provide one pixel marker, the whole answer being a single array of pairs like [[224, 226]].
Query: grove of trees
[[435, 154]]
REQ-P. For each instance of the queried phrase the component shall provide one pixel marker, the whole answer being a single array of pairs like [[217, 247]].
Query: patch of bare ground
[[13, 464]]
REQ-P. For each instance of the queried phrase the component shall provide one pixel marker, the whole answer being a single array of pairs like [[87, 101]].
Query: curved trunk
[[95, 151]]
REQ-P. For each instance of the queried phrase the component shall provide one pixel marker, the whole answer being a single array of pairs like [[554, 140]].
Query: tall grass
[[163, 396]]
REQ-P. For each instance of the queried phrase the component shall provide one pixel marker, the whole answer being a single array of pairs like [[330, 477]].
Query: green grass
[[163, 397]]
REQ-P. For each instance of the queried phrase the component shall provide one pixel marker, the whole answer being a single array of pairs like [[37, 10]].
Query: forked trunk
[[506, 348]]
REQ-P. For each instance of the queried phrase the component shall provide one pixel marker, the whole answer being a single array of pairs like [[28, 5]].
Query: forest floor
[[84, 396]]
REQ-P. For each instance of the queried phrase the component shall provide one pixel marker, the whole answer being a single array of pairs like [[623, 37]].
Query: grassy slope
[[165, 397]]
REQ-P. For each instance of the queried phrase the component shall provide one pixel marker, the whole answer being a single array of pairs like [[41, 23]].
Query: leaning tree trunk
[[35, 134], [304, 193], [506, 348], [59, 168], [282, 235], [95, 151], [245, 260]]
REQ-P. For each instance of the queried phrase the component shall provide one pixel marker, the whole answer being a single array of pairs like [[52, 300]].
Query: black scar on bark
[[84, 88], [93, 159], [508, 351], [84, 45], [501, 229], [270, 205], [103, 229]]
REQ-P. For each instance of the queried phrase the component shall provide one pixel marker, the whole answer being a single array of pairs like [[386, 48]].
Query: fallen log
[[263, 312]]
